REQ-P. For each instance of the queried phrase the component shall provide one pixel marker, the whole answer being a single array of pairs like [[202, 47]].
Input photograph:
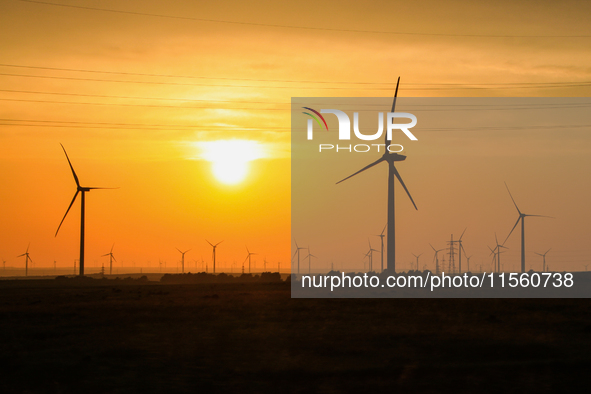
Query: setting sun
[[230, 158]]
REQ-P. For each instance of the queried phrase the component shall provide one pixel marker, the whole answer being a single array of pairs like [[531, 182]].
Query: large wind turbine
[[544, 257], [82, 190], [382, 250], [111, 258], [213, 253], [521, 217], [389, 158], [248, 258], [27, 259], [182, 259]]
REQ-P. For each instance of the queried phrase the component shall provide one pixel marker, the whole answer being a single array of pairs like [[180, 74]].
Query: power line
[[280, 80], [451, 87], [299, 27]]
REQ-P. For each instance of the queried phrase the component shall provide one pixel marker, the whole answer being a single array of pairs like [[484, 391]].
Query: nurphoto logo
[[345, 129]]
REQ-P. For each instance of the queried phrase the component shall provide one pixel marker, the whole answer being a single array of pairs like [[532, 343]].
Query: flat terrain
[[153, 338]]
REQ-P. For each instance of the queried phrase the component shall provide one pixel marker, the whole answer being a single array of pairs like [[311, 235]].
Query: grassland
[[108, 337]]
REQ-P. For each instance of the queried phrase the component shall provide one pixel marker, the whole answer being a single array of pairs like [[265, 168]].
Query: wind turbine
[[298, 253], [460, 248], [417, 267], [310, 255], [382, 250], [468, 258], [182, 259], [111, 258], [82, 190], [521, 217], [544, 257], [370, 252], [213, 253], [247, 258], [390, 158], [27, 259], [436, 258]]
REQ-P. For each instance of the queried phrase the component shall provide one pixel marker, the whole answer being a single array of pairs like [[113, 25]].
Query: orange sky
[[138, 132]]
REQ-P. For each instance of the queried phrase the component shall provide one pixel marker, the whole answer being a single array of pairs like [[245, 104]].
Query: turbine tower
[[213, 253], [370, 252], [182, 259], [27, 259], [247, 258], [111, 258], [521, 217], [544, 257], [82, 190], [389, 158]]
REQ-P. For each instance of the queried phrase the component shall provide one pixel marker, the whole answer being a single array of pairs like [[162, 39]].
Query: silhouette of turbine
[[389, 158], [27, 259], [82, 190], [436, 258], [521, 217], [382, 250], [543, 257], [213, 253], [309, 257], [460, 249], [417, 267], [247, 258], [182, 259], [111, 258], [298, 253]]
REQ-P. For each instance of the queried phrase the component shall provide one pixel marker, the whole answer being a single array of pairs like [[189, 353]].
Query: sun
[[230, 158]]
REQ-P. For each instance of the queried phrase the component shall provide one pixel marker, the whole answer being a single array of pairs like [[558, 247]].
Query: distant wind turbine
[[247, 258], [544, 257], [298, 253], [213, 252], [390, 158], [111, 258], [521, 217], [310, 255], [370, 252], [382, 250], [27, 259], [82, 190], [182, 259], [460, 249], [417, 266], [436, 258]]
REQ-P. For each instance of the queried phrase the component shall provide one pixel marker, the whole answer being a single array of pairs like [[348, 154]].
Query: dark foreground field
[[153, 338]]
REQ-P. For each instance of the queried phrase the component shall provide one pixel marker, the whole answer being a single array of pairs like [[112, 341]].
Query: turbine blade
[[404, 186], [431, 246], [178, 250], [93, 188], [71, 167], [21, 255], [219, 243], [247, 250], [542, 216], [393, 109], [64, 218], [516, 223], [112, 248], [548, 250], [382, 233], [463, 234], [207, 242], [510, 195], [105, 255], [363, 169], [114, 259]]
